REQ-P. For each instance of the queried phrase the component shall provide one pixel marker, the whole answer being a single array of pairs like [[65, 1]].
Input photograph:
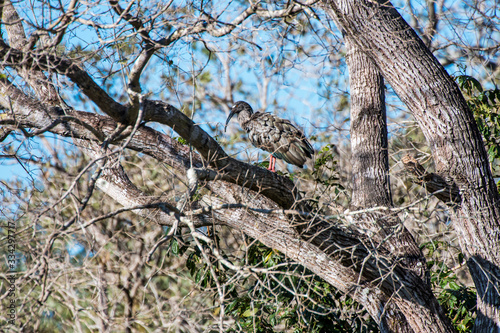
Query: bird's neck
[[244, 116]]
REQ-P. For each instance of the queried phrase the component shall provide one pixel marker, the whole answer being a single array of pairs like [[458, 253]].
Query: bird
[[273, 134]]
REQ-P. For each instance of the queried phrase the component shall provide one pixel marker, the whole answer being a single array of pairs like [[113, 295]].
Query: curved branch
[[345, 256], [278, 188], [43, 88], [42, 62], [115, 183], [28, 113], [439, 107]]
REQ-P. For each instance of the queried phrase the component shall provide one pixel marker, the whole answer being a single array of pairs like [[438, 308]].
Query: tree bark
[[447, 123], [371, 188], [370, 159], [376, 273], [346, 257], [370, 182]]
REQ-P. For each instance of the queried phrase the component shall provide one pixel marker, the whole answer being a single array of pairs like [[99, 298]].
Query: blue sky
[[312, 91], [309, 92]]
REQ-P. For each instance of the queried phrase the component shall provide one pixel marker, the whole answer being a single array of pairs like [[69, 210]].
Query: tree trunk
[[371, 187], [347, 258], [378, 264], [370, 159], [447, 123]]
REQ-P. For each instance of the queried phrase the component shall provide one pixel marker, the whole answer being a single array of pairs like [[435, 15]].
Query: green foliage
[[325, 168], [263, 164], [485, 104], [281, 294], [205, 77], [182, 141], [325, 155], [458, 301]]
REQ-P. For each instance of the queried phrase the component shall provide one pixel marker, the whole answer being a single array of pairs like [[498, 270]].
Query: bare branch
[[117, 185], [430, 29], [442, 187], [277, 188], [42, 86], [37, 62]]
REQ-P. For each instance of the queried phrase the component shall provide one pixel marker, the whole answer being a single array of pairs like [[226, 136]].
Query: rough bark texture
[[90, 126], [376, 270], [370, 180], [440, 186], [439, 107], [371, 187], [17, 39], [370, 159], [347, 257]]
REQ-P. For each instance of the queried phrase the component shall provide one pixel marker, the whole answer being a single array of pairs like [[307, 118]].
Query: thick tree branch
[[42, 86], [449, 126], [354, 248], [28, 113], [324, 235], [321, 245], [279, 189], [371, 186], [115, 183], [15, 58], [369, 145], [442, 188]]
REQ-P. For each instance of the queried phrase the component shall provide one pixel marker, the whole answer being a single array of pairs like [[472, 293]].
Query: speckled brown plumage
[[273, 134]]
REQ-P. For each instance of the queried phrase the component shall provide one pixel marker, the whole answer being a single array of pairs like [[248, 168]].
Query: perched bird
[[273, 134]]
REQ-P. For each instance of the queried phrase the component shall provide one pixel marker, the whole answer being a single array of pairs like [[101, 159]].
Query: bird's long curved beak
[[228, 119]]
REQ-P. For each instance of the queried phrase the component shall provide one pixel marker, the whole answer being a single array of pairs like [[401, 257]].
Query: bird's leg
[[272, 162]]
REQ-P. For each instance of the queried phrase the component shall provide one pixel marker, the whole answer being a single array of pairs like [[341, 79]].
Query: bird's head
[[236, 109]]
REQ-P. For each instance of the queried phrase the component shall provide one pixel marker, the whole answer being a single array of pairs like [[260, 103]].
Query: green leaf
[[199, 275], [249, 313], [174, 244], [266, 259], [182, 141]]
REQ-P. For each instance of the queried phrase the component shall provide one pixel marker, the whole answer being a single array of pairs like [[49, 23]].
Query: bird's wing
[[261, 130], [279, 137]]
